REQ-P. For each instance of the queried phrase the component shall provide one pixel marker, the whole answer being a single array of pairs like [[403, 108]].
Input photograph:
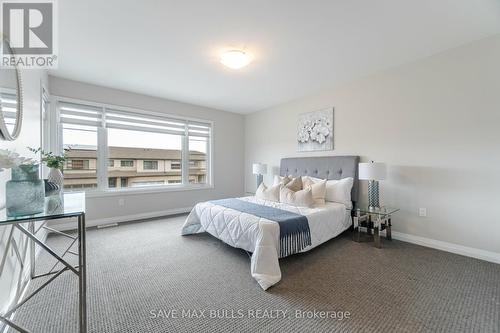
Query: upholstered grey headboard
[[324, 167]]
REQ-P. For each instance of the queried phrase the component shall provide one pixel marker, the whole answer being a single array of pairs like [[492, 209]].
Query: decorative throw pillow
[[318, 188], [338, 190], [295, 184], [268, 193], [302, 198], [279, 180]]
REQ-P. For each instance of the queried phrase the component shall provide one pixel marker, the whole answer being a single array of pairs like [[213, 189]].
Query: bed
[[261, 236]]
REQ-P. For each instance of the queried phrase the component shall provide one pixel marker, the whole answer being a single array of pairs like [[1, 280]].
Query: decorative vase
[[55, 176], [51, 188], [25, 191], [55, 203]]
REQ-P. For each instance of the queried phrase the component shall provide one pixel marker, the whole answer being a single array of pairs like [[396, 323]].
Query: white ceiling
[[170, 48]]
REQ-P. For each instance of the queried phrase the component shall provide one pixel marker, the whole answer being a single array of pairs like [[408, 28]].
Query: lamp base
[[373, 194], [260, 179]]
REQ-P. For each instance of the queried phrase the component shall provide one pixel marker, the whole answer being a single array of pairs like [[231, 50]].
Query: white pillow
[[302, 198], [338, 190], [279, 180], [272, 193], [318, 188]]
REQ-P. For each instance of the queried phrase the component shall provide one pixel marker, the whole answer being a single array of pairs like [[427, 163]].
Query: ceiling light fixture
[[235, 59]]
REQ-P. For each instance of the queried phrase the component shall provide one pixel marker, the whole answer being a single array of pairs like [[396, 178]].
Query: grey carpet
[[138, 268]]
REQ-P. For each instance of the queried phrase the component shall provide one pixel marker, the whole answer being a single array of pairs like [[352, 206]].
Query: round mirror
[[11, 99]]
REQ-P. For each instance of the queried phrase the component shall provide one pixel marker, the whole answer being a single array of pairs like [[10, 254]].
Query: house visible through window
[[150, 165], [138, 143]]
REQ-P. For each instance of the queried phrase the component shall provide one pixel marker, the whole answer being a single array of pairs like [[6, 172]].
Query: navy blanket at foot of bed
[[295, 234]]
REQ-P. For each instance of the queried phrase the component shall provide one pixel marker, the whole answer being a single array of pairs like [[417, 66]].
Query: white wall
[[227, 154], [30, 136], [435, 122]]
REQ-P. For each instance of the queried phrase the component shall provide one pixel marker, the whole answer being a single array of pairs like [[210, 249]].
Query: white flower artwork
[[315, 130]]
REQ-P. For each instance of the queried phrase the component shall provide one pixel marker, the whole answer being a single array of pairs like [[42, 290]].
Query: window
[[113, 147], [79, 134], [126, 163], [199, 135], [175, 165], [8, 104], [150, 165], [150, 140], [78, 164], [112, 182]]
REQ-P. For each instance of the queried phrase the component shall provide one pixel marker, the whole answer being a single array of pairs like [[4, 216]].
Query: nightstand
[[374, 220]]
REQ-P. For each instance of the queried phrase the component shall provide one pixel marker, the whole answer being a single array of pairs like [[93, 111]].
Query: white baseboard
[[118, 219], [448, 247]]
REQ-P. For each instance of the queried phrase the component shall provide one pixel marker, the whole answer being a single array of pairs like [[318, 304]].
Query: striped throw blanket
[[295, 234]]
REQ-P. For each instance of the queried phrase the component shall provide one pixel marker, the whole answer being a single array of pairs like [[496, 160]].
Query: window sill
[[149, 190]]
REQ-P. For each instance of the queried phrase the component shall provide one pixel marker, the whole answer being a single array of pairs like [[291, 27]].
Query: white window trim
[[56, 144], [146, 190]]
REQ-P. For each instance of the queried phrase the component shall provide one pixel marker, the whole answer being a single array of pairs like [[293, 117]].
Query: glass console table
[[71, 205], [374, 220]]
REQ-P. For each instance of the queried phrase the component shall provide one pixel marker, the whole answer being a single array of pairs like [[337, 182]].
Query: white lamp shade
[[259, 169], [372, 171]]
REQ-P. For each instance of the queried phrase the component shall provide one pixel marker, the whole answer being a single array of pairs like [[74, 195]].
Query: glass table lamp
[[260, 170], [373, 172]]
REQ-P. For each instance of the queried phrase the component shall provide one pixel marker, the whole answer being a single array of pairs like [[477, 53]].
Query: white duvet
[[261, 236]]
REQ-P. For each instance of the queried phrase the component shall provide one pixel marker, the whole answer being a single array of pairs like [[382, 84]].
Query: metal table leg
[[46, 248], [355, 234], [82, 276], [376, 233], [388, 233], [81, 272], [376, 237], [13, 325], [31, 228]]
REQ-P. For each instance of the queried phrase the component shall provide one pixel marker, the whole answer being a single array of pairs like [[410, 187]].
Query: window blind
[[199, 129], [80, 114], [143, 122], [9, 107]]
